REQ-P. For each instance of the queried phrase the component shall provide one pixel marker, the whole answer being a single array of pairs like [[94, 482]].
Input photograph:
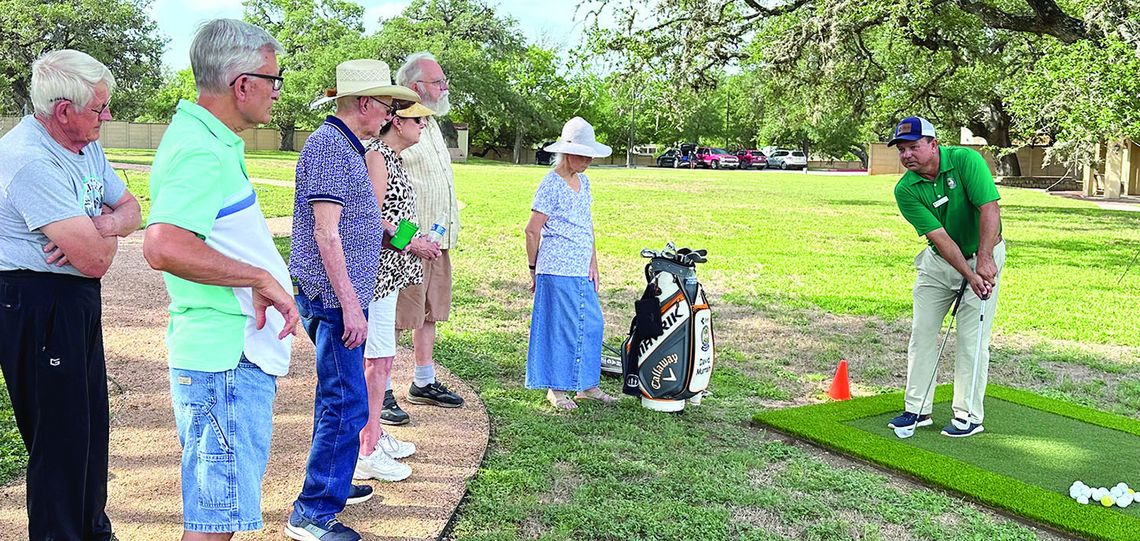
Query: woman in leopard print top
[[398, 269]]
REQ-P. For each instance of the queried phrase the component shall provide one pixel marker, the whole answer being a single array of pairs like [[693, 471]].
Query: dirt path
[[144, 488]]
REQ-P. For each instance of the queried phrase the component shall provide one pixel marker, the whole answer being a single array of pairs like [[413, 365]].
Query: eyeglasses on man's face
[[278, 81], [438, 83], [390, 108], [98, 112]]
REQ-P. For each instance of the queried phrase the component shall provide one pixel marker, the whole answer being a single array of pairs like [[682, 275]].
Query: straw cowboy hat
[[578, 139], [365, 77]]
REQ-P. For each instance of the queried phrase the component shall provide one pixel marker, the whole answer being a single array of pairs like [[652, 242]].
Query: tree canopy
[[118, 33]]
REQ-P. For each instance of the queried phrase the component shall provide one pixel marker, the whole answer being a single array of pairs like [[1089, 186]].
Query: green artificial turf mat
[[1031, 442], [1038, 447]]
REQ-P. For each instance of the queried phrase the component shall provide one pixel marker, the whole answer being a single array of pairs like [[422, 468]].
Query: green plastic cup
[[404, 233]]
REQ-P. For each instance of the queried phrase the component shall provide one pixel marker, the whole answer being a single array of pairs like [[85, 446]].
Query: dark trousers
[[51, 352]]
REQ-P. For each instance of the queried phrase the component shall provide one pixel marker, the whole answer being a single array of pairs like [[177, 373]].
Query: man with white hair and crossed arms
[[62, 210]]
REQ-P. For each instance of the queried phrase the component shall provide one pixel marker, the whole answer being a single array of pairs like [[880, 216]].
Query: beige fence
[[136, 135], [884, 160]]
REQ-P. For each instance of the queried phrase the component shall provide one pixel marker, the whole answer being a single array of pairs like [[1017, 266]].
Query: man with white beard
[[421, 306]]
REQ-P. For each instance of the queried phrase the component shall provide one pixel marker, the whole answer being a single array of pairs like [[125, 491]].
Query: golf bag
[[668, 356]]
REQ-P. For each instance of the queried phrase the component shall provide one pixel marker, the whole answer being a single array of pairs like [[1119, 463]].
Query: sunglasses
[[278, 81]]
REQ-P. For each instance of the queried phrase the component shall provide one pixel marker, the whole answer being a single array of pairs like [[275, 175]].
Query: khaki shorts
[[429, 301]]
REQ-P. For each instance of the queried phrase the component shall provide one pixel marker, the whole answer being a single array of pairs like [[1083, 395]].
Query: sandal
[[560, 400], [597, 394]]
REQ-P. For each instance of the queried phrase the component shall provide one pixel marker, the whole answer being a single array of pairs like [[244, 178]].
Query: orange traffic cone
[[841, 385]]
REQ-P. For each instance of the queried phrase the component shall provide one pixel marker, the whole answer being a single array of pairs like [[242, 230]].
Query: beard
[[441, 106]]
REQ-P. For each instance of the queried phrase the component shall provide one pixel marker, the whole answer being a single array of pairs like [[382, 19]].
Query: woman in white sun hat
[[566, 322]]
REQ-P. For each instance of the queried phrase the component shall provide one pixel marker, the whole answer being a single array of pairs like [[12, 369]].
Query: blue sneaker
[[359, 494], [968, 429], [907, 420], [303, 529]]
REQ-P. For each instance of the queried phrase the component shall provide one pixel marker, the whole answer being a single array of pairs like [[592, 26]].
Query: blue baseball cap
[[912, 128]]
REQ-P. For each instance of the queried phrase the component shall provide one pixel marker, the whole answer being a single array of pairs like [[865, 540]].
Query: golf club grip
[[958, 299]]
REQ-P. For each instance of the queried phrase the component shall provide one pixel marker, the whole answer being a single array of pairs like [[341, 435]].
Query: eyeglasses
[[439, 83], [278, 81], [98, 112], [419, 120], [390, 107]]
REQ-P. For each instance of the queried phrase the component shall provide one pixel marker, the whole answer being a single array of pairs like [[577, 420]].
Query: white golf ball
[[1122, 485], [1083, 500], [1116, 492], [1125, 500]]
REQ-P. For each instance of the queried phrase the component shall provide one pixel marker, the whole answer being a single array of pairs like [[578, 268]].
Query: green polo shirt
[[965, 181], [199, 183]]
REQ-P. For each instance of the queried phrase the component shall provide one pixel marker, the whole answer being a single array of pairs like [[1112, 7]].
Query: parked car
[[787, 159], [685, 156], [716, 158], [668, 158], [542, 157], [752, 158]]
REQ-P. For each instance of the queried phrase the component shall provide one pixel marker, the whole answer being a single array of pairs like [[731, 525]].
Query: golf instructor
[[948, 195]]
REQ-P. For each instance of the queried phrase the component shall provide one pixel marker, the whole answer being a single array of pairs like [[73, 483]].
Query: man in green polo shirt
[[948, 195]]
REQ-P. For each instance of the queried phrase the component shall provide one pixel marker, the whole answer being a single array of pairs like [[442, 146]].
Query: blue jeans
[[340, 410], [225, 423]]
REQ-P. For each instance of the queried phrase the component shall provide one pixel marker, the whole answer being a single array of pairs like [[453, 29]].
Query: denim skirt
[[565, 334]]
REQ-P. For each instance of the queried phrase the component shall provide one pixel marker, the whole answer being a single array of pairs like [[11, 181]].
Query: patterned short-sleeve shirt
[[397, 269], [331, 168], [568, 237]]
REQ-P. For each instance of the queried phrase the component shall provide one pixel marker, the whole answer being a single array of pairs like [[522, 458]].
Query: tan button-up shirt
[[429, 168]]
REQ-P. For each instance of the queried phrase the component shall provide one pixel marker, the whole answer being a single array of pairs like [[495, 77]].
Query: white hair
[[411, 71], [225, 48], [67, 74], [556, 160]]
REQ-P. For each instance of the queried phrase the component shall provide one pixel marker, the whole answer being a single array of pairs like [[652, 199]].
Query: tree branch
[[1047, 19]]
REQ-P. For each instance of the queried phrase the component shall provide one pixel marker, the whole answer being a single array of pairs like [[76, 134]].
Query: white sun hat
[[365, 77], [578, 139]]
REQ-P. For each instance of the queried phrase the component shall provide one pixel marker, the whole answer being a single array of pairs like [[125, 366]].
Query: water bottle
[[437, 230]]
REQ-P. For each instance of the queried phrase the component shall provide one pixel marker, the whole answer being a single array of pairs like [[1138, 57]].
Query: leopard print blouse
[[397, 269]]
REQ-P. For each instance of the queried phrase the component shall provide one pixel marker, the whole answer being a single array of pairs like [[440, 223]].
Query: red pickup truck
[[716, 158]]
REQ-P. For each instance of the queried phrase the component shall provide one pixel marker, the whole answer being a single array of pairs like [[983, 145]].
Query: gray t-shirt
[[40, 183]]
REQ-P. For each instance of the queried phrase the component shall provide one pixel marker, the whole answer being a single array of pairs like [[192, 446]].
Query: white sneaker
[[380, 466], [394, 447]]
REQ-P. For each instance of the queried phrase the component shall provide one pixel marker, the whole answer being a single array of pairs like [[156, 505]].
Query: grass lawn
[[803, 270], [266, 164], [1032, 450], [808, 269]]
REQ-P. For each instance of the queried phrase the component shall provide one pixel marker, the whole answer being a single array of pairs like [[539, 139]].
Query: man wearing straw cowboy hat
[[334, 261]]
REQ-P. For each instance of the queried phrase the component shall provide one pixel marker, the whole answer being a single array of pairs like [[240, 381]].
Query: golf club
[[964, 424], [903, 432]]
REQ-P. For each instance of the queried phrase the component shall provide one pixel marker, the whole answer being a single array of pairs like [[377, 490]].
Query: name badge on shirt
[[941, 201]]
